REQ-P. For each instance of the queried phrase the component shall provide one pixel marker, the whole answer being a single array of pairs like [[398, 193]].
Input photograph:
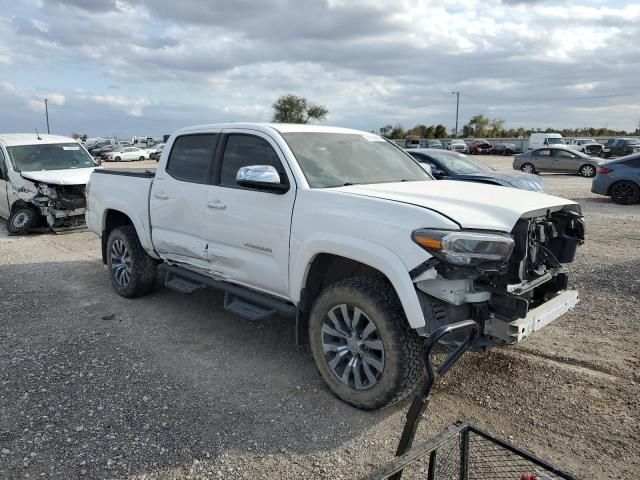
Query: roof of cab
[[266, 127], [17, 139]]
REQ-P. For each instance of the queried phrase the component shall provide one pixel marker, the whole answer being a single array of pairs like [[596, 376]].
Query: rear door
[[178, 200], [248, 230], [541, 159], [564, 161], [4, 185]]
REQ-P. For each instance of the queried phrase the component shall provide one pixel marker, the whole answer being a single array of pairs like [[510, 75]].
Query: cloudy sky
[[148, 67]]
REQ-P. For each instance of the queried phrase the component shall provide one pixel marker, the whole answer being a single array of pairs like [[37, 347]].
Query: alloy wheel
[[352, 347], [527, 168], [120, 263], [624, 192]]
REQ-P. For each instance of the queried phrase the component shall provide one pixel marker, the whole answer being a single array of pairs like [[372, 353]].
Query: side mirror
[[437, 173], [261, 177]]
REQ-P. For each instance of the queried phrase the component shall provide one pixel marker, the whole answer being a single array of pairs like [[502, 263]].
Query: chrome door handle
[[217, 205], [162, 196]]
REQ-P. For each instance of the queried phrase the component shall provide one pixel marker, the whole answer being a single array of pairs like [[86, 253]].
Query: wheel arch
[[333, 260], [116, 217], [609, 191]]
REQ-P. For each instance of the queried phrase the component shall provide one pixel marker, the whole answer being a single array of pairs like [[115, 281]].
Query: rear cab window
[[191, 157]]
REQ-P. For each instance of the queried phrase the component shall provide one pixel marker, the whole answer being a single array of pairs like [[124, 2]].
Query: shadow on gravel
[[95, 385]]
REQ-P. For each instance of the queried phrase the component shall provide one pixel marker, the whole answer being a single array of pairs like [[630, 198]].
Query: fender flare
[[138, 223], [375, 256]]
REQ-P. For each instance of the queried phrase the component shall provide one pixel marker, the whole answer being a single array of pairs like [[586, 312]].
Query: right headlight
[[461, 247]]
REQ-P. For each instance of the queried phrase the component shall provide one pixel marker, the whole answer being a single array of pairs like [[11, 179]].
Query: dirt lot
[[171, 386]]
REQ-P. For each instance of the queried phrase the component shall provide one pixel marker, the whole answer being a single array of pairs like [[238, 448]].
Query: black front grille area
[[71, 197]]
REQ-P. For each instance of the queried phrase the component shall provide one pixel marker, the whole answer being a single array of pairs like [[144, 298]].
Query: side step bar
[[239, 300]]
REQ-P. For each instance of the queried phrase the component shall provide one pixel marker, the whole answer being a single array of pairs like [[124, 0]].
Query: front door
[[4, 187], [178, 200], [248, 230]]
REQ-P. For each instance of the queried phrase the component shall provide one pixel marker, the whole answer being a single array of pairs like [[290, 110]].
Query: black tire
[[117, 159], [403, 367], [141, 158], [587, 171], [625, 192], [527, 165], [22, 219], [142, 269]]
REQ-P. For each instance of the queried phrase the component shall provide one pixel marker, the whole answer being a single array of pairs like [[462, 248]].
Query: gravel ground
[[170, 386]]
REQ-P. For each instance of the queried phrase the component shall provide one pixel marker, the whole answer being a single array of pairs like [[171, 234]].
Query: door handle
[[218, 205], [162, 196]]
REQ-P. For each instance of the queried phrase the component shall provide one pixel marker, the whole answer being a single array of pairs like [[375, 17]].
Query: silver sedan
[[556, 159]]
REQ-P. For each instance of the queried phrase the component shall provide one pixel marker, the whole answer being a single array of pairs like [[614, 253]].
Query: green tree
[[430, 132], [496, 126], [479, 123], [385, 131], [293, 109], [440, 131], [398, 132]]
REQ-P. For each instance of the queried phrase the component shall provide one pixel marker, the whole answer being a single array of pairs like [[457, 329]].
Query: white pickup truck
[[346, 233]]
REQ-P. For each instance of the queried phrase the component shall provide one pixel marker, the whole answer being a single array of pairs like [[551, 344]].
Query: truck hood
[[470, 205], [72, 176]]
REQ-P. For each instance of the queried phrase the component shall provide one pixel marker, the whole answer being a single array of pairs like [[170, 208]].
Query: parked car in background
[[457, 166], [556, 159], [480, 147], [434, 144], [42, 182], [127, 154], [619, 147], [105, 151], [155, 155], [412, 141], [619, 179], [505, 149], [152, 150], [539, 140], [457, 145], [587, 145]]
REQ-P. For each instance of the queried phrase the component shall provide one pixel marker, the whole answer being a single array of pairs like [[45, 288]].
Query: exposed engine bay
[[61, 206]]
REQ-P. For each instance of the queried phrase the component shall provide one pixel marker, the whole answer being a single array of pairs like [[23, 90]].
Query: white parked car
[[42, 182], [345, 233], [128, 154]]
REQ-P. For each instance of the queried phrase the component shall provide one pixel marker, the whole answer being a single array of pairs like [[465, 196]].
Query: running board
[[239, 300]]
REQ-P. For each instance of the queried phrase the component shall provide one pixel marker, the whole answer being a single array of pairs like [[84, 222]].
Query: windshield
[[59, 156], [555, 141], [460, 164], [337, 159]]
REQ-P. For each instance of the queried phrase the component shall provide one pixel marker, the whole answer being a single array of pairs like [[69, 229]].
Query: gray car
[[619, 179], [556, 159]]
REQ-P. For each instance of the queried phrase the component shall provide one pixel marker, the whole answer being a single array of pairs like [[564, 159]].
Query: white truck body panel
[[210, 228]]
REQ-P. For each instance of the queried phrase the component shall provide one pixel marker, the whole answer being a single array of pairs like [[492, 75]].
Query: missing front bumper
[[517, 330]]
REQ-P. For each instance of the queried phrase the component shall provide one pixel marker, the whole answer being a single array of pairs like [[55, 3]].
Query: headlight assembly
[[462, 247]]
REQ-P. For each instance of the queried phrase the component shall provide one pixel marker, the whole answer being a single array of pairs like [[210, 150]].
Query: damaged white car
[[42, 182]]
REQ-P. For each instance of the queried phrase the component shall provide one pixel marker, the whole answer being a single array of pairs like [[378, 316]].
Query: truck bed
[[129, 172]]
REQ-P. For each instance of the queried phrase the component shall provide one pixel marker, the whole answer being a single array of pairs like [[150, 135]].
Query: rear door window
[[191, 157]]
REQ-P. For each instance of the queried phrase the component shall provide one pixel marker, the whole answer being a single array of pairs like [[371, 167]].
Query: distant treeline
[[480, 126]]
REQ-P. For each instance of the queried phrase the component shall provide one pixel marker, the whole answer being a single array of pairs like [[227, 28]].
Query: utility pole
[[46, 112], [457, 94]]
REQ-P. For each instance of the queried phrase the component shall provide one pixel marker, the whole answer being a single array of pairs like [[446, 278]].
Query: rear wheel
[[587, 171], [362, 345], [133, 273], [528, 168], [22, 219], [141, 158], [117, 159], [625, 192]]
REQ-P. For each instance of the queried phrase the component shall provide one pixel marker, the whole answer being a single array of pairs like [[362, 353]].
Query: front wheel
[[117, 159], [141, 158], [21, 220], [528, 168], [133, 273], [625, 192], [362, 345], [587, 171]]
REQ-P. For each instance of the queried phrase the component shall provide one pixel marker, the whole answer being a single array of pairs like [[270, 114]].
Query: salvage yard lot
[[170, 386]]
